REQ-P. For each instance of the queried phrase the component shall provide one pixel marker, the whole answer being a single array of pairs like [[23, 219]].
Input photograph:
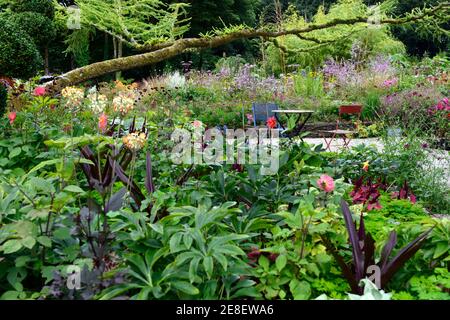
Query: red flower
[[39, 91], [272, 123], [12, 117]]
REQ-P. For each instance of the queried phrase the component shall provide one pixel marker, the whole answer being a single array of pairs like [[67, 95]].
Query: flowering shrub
[[440, 116], [410, 108], [352, 79]]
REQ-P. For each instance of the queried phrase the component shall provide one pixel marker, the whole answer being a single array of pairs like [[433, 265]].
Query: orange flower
[[272, 123], [102, 122]]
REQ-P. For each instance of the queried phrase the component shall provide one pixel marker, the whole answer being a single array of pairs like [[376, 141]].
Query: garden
[[110, 111]]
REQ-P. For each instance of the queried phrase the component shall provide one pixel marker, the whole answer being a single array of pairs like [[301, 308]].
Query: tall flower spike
[[102, 122]]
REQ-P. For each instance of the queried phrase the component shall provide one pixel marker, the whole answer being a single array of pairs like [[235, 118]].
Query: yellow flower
[[366, 166], [135, 141], [73, 96]]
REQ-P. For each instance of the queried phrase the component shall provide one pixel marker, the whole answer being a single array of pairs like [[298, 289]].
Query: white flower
[[176, 80], [97, 102]]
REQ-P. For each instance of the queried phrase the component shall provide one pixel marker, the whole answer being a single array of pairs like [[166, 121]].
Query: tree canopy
[[218, 37]]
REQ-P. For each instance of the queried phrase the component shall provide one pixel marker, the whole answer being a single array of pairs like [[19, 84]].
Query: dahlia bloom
[[366, 166], [197, 124], [39, 91], [326, 183], [272, 123]]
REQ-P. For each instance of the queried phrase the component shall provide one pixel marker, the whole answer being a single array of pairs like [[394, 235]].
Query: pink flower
[[390, 83], [39, 91], [197, 124], [12, 117], [102, 122], [249, 118], [326, 183], [272, 123]]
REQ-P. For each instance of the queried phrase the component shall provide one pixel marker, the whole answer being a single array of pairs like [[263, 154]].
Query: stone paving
[[439, 158]]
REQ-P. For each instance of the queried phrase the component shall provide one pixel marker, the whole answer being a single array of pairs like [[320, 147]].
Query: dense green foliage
[[3, 100], [19, 55], [91, 185], [39, 27], [43, 7]]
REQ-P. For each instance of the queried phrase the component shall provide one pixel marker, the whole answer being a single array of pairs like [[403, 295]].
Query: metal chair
[[262, 112], [352, 110]]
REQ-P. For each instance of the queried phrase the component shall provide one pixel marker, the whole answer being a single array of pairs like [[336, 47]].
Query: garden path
[[438, 158]]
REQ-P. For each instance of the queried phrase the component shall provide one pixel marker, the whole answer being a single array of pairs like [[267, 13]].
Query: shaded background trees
[[58, 49]]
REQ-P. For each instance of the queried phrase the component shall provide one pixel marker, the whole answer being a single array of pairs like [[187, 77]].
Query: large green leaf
[[185, 287], [11, 246]]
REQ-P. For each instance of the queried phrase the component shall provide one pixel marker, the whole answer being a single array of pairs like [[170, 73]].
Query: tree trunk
[[114, 40], [46, 61], [119, 55], [106, 47]]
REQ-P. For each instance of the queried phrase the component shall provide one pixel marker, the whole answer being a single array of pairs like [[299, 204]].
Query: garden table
[[299, 124]]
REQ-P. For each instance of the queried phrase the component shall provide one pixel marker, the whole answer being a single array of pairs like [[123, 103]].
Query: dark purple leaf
[[346, 269], [136, 192], [402, 257], [116, 201], [358, 257], [89, 155], [132, 125], [387, 250], [362, 229], [126, 160], [369, 251]]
